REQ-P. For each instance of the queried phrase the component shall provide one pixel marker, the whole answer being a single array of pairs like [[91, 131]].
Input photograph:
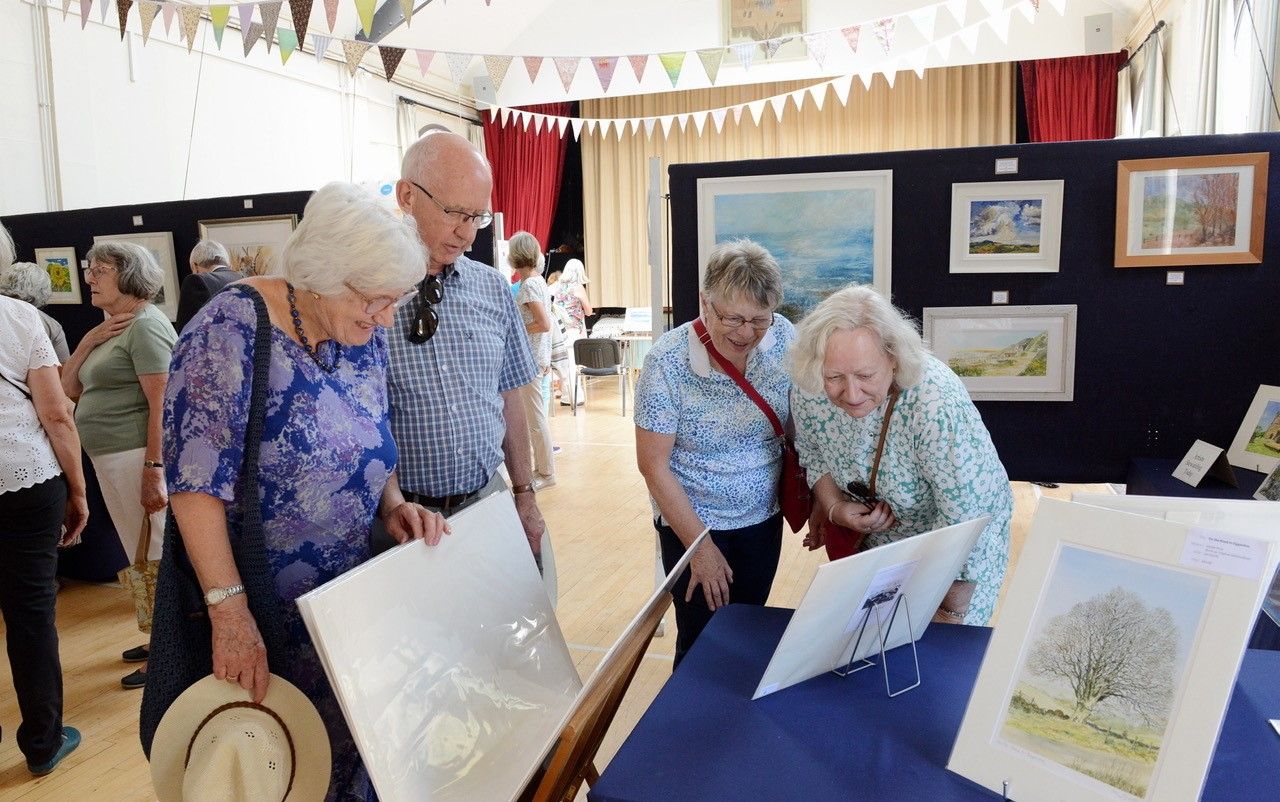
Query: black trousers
[[752, 553], [30, 528]]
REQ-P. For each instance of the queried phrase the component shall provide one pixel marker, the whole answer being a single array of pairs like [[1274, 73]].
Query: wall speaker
[[1097, 35], [485, 93]]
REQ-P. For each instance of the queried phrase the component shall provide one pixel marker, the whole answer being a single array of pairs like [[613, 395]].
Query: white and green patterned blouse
[[939, 468]]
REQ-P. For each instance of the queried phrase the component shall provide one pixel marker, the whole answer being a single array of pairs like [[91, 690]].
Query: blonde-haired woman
[[524, 254]]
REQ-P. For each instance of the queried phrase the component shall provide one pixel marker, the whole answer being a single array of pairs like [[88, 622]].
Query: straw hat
[[214, 743]]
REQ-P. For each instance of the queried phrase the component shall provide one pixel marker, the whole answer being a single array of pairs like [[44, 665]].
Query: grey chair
[[598, 358]]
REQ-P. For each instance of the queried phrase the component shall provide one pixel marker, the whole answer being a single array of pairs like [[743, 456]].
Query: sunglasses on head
[[430, 292]]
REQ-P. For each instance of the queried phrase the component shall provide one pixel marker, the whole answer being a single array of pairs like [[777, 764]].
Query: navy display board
[[1157, 367]]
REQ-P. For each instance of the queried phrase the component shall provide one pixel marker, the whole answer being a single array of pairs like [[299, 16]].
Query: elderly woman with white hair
[[892, 444], [326, 456], [26, 281], [117, 375]]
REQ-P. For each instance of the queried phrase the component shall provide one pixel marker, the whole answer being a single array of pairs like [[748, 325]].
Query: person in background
[[708, 453], [28, 282], [524, 254], [856, 360], [42, 506], [574, 306], [117, 375], [210, 272]]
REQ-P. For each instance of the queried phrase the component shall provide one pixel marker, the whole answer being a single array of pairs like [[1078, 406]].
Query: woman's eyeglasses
[[738, 321], [862, 494], [382, 302], [97, 271], [423, 327]]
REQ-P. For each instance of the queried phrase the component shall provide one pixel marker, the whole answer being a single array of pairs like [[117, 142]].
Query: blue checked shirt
[[446, 402]]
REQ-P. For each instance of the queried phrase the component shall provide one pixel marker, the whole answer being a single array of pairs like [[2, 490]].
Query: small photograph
[[1104, 667], [1000, 353]]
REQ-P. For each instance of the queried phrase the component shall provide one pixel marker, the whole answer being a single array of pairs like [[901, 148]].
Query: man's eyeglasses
[[738, 321], [382, 302], [97, 271], [481, 220], [423, 327]]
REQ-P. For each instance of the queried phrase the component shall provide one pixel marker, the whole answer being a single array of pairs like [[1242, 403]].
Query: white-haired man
[[210, 272]]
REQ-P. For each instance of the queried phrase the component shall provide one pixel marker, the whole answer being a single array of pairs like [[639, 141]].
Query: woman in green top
[[117, 375]]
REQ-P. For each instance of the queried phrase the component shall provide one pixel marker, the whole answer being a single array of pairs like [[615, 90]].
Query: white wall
[[21, 170]]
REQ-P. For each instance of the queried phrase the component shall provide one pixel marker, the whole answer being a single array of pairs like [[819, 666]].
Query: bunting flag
[[737, 115], [85, 5], [745, 53], [683, 119], [717, 116], [771, 46], [458, 65], [883, 30], [779, 103], [190, 18], [251, 35], [331, 12], [817, 44], [406, 8], [756, 108], [969, 38], [288, 39], [497, 67], [245, 10], [564, 123], [122, 9], [270, 16], [699, 121], [672, 63], [424, 60], [943, 46], [851, 36], [638, 66], [390, 60], [103, 7], [957, 10], [321, 45], [605, 125], [924, 20], [166, 13], [818, 94], [300, 13], [365, 9], [867, 77], [841, 87], [1000, 24], [576, 125], [147, 13], [711, 60], [218, 15], [531, 65], [567, 66], [66, 9], [605, 66], [666, 121], [353, 52]]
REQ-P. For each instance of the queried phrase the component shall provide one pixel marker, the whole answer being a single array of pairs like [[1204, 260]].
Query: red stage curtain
[[1071, 98], [526, 171]]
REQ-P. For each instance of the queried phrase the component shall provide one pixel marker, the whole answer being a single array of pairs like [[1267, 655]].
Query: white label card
[[1233, 555], [884, 587], [1204, 459], [1275, 723]]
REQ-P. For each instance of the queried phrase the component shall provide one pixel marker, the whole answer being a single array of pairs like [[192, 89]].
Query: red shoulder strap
[[704, 337]]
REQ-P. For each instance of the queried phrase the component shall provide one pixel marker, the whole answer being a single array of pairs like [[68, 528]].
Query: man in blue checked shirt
[[458, 349]]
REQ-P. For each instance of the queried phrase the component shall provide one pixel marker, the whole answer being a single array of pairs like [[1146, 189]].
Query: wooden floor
[[599, 519]]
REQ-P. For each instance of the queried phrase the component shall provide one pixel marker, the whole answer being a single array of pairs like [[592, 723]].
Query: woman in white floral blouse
[[852, 355]]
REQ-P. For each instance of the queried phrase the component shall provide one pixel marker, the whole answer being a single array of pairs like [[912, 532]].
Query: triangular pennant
[[251, 35], [797, 97], [497, 67], [666, 120], [683, 119], [737, 115], [85, 5], [167, 12], [592, 125], [699, 121], [331, 13], [1028, 9], [672, 63], [459, 63], [567, 67], [563, 123], [503, 113], [288, 43], [890, 73], [66, 9], [771, 45], [757, 109], [537, 123], [969, 38], [300, 13], [605, 125], [993, 7], [649, 123], [576, 125], [190, 18], [884, 29], [103, 7], [851, 36], [779, 102], [620, 128], [531, 65], [711, 60], [638, 65], [1000, 25], [270, 16], [841, 87], [424, 60], [817, 44], [218, 15], [245, 10], [122, 9], [957, 10], [924, 19], [406, 8], [390, 60], [147, 13], [321, 45], [364, 8], [867, 77], [818, 94], [745, 52], [717, 117], [353, 51], [605, 65], [943, 46]]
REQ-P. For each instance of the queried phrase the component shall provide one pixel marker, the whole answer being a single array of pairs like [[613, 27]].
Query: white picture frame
[[1007, 353], [1249, 449], [255, 244], [65, 286], [160, 244], [1196, 611], [826, 230], [1006, 226]]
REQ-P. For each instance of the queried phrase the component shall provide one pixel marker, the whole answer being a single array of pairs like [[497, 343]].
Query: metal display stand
[[882, 634]]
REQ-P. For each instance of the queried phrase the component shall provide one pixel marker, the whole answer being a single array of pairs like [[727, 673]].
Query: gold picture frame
[[254, 243]]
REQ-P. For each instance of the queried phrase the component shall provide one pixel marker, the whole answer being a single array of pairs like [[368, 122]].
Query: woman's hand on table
[[410, 521], [709, 569], [239, 654]]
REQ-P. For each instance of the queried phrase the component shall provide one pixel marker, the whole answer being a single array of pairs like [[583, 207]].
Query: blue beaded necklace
[[302, 337]]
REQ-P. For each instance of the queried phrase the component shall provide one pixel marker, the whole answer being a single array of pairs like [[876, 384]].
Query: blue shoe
[[70, 740]]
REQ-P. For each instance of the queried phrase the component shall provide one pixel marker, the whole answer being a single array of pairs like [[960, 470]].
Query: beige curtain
[[948, 108]]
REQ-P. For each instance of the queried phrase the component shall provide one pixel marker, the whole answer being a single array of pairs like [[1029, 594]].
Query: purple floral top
[[326, 454]]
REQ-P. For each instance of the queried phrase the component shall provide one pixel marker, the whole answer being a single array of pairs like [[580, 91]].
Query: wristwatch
[[524, 488], [219, 595]]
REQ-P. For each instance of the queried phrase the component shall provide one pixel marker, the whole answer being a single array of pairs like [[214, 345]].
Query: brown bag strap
[[732, 372], [144, 539], [884, 430]]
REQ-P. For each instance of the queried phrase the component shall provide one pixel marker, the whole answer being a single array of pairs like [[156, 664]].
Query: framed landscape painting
[[1007, 353], [160, 244], [64, 274], [1192, 210], [1256, 446], [827, 230], [1006, 227], [254, 243]]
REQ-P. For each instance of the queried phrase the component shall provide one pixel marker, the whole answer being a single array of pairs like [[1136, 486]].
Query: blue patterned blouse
[[726, 456], [326, 454]]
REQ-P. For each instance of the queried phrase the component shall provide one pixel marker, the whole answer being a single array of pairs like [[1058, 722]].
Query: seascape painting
[[1190, 209], [1104, 666], [1005, 226], [998, 353], [1266, 432]]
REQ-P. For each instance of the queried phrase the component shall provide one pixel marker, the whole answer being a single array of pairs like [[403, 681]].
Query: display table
[[842, 739], [1154, 477]]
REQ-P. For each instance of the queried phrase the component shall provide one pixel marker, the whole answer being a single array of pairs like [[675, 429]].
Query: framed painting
[[1256, 446], [254, 243], [160, 244], [1192, 210], [826, 230], [1116, 655], [760, 21], [1006, 227], [64, 273], [1007, 353]]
